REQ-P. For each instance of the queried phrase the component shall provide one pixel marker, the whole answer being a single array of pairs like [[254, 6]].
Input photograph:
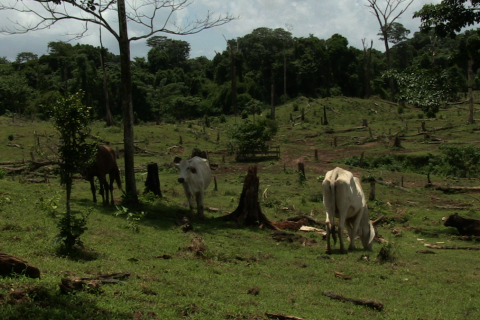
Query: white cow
[[343, 198], [195, 176]]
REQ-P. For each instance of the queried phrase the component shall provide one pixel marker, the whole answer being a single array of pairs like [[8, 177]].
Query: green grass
[[289, 277]]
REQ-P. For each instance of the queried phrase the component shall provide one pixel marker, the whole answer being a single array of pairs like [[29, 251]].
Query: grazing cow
[[466, 227], [195, 176], [106, 163], [343, 198]]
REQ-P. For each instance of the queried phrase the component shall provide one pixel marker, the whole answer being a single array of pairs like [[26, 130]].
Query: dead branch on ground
[[367, 303]]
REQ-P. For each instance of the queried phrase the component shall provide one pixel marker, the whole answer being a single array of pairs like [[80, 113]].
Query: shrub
[[248, 136], [3, 173], [222, 118], [296, 107], [10, 137]]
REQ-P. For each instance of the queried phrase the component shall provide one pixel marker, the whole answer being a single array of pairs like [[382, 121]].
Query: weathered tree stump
[[371, 197], [153, 182], [303, 115], [396, 142], [301, 169], [248, 211], [316, 154], [424, 129], [360, 162], [11, 266], [364, 123]]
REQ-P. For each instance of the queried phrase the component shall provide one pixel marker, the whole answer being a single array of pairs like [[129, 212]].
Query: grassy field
[[243, 273]]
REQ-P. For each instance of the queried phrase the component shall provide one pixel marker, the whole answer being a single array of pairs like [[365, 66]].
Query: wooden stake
[[316, 154], [215, 182]]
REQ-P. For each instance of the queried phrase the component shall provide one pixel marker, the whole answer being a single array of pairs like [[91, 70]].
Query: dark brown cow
[[106, 164], [466, 227]]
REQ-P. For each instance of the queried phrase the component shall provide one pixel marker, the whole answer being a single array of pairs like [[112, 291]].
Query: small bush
[[3, 173], [296, 107], [10, 137], [222, 118], [400, 109]]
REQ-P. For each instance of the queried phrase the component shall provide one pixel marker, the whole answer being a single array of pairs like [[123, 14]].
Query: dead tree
[[325, 121], [153, 182], [248, 211], [301, 169], [360, 163]]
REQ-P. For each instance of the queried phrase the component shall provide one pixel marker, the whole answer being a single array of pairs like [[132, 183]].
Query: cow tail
[[117, 179]]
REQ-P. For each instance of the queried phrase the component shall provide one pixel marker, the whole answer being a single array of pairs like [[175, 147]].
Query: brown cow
[[106, 164], [466, 227]]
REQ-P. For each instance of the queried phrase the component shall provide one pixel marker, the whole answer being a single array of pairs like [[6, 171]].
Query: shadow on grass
[[38, 302]]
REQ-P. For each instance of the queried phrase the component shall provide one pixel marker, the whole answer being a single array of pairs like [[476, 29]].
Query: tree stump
[[360, 163], [153, 182], [371, 197], [424, 129], [248, 211], [316, 154], [396, 142], [364, 123], [301, 169], [10, 266]]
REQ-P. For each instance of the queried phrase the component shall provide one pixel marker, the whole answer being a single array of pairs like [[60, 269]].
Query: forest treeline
[[169, 86]]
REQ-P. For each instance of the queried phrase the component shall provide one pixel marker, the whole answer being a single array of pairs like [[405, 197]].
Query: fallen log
[[451, 189], [90, 284], [367, 303], [390, 184], [342, 276], [280, 316], [468, 238], [292, 237], [452, 207], [434, 246], [310, 219], [344, 130], [11, 266]]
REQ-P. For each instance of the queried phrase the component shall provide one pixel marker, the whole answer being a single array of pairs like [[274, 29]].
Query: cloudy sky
[[322, 18]]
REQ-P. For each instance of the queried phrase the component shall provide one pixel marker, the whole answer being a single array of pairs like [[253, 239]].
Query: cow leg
[[354, 231], [341, 226], [189, 196], [92, 187], [103, 188], [199, 198], [329, 231]]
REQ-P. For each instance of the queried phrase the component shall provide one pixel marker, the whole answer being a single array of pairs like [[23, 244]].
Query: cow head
[[185, 168], [452, 220]]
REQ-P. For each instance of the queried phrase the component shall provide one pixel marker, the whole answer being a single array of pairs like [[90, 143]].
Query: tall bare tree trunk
[[127, 107], [234, 82], [367, 59], [108, 115], [272, 113], [470, 91], [284, 74]]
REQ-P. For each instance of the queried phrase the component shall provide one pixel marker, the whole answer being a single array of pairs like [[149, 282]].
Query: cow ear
[[193, 170], [177, 160]]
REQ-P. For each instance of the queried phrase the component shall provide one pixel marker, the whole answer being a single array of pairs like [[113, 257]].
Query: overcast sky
[[322, 18]]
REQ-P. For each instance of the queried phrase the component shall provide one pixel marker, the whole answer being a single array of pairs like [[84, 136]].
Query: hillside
[[242, 273]]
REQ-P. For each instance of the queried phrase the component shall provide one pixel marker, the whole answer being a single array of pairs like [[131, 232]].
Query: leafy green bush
[[457, 161], [3, 173], [247, 136], [222, 118]]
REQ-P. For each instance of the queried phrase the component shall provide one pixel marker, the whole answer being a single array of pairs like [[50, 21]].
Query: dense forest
[[170, 86]]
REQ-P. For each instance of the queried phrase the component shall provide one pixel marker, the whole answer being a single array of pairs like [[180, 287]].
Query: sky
[[321, 18]]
